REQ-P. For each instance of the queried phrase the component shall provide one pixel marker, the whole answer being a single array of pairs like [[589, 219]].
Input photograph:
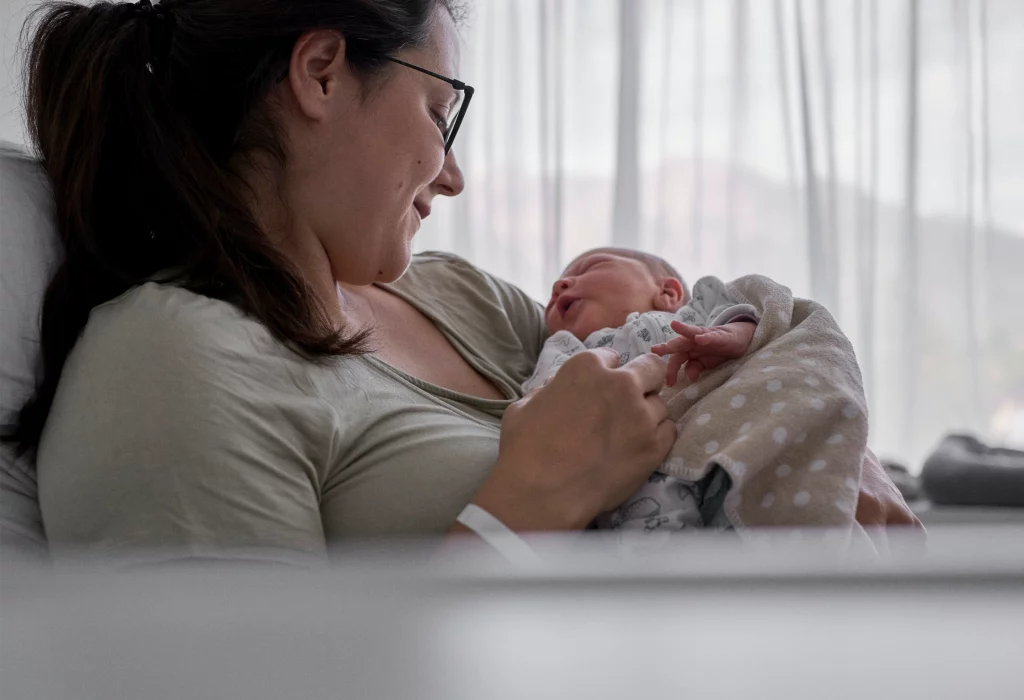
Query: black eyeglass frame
[[457, 84]]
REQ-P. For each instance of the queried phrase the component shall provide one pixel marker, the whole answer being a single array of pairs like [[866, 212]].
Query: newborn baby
[[635, 303]]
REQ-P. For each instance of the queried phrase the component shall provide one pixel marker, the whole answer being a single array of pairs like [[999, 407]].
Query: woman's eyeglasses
[[458, 110], [455, 114]]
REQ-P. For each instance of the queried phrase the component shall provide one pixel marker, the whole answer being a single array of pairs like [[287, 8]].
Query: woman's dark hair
[[145, 117]]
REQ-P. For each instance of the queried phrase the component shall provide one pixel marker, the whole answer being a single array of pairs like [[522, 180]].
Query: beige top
[[183, 425]]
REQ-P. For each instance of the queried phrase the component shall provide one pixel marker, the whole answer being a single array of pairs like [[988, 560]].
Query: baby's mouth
[[565, 304]]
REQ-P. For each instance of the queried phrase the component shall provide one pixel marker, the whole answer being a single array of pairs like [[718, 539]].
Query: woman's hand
[[880, 503], [579, 445], [704, 348]]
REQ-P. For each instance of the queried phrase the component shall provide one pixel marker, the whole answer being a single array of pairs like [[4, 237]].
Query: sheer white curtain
[[867, 153]]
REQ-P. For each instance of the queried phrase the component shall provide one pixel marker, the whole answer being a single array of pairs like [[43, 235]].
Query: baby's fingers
[[686, 330], [674, 345], [711, 361], [707, 341], [675, 361], [719, 343], [693, 369], [713, 338]]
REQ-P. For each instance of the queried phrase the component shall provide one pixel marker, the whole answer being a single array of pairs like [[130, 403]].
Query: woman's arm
[[170, 436]]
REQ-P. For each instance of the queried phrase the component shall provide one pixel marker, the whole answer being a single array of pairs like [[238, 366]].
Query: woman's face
[[363, 171]]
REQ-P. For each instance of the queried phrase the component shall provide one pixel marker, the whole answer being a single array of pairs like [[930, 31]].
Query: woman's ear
[[670, 295], [316, 71]]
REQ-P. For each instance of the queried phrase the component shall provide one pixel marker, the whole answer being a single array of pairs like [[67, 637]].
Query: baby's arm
[[556, 351], [712, 305]]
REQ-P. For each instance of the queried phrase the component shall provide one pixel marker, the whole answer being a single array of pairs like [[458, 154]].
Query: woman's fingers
[[608, 357], [649, 372], [580, 445], [879, 503], [657, 409], [666, 438]]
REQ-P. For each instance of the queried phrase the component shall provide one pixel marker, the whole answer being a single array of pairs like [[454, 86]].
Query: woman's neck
[[355, 303], [293, 238]]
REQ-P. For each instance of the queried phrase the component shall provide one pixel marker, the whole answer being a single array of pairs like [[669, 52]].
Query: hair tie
[[160, 25]]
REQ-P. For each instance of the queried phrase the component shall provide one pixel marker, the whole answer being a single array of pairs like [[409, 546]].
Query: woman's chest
[[410, 462], [409, 341]]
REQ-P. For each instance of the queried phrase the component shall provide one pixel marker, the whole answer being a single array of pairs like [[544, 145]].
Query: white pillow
[[28, 252]]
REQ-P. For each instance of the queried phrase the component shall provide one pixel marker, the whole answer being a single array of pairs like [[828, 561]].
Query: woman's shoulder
[[151, 297], [163, 329], [482, 307], [448, 278], [166, 316], [430, 257], [179, 422], [440, 269]]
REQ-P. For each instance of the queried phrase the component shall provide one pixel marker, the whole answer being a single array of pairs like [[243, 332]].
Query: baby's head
[[601, 287]]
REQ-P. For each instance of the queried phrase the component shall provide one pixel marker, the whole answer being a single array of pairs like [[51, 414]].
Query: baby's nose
[[561, 285]]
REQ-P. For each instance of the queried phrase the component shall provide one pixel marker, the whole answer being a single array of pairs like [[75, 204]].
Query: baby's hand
[[704, 348]]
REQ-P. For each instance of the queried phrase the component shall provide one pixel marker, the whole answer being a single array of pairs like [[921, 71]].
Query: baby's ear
[[671, 295]]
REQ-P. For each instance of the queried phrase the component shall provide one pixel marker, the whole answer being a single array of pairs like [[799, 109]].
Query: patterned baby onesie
[[664, 502]]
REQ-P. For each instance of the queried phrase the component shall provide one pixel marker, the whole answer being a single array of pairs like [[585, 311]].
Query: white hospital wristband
[[498, 535]]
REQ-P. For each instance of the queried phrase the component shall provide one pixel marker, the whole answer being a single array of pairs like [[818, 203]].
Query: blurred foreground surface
[[701, 617]]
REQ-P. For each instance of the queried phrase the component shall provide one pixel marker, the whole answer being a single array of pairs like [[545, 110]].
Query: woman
[[238, 355]]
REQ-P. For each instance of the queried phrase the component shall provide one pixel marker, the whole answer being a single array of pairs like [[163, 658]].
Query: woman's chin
[[408, 264], [395, 269]]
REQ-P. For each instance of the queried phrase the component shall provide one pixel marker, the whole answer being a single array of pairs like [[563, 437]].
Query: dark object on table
[[963, 471]]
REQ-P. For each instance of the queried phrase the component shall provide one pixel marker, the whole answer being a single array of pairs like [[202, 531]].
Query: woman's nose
[[450, 181]]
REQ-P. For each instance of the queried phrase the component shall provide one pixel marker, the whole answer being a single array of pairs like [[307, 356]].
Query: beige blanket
[[788, 421]]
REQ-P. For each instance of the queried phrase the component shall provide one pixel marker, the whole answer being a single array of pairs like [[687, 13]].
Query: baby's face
[[599, 290]]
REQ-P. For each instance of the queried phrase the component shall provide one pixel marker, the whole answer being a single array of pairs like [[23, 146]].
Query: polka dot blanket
[[788, 421]]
